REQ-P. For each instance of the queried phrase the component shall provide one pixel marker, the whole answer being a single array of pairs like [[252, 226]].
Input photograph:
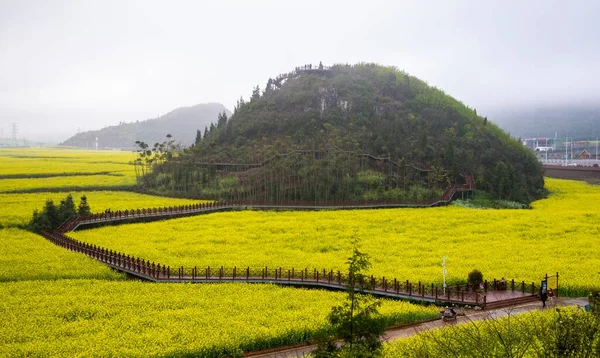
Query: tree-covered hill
[[182, 123], [368, 108]]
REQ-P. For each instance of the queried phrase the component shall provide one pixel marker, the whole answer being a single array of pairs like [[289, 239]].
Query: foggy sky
[[89, 64]]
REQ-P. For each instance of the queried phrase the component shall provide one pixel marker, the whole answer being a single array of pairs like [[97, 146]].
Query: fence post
[[339, 277], [194, 273], [436, 293], [234, 272], [523, 286], [556, 284], [288, 274], [207, 272], [409, 287], [247, 273], [485, 286], [512, 284]]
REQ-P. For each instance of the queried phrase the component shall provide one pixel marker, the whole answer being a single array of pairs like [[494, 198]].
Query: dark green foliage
[[357, 321], [52, 214], [475, 278], [51, 217], [66, 208], [594, 299], [84, 207], [372, 109], [198, 137]]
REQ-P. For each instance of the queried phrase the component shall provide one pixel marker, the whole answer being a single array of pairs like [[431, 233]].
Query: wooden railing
[[380, 286], [202, 208]]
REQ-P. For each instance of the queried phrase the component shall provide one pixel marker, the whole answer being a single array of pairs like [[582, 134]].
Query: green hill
[[365, 108], [181, 123]]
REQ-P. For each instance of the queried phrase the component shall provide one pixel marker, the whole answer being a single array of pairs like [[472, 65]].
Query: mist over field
[[70, 66]]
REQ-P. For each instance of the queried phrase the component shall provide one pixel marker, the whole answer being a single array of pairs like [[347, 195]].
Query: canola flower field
[[60, 303], [102, 318], [33, 169], [547, 333], [27, 256], [18, 207], [403, 243]]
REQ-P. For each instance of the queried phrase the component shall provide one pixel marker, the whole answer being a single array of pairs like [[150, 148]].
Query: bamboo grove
[[302, 176]]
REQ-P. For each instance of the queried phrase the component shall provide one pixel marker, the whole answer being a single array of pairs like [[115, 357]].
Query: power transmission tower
[[14, 129]]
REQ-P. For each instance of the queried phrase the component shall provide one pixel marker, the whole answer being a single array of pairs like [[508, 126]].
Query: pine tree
[[356, 321], [66, 208], [222, 120], [51, 212], [198, 137], [84, 208]]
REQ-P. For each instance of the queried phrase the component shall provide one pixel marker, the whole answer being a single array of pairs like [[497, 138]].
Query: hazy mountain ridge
[[182, 123], [577, 121]]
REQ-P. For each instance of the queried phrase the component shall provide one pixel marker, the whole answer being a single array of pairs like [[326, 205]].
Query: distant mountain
[[578, 122], [182, 123]]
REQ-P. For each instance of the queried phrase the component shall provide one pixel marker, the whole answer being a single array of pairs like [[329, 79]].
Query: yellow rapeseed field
[[560, 233], [100, 318], [27, 256], [59, 303], [36, 169], [18, 208]]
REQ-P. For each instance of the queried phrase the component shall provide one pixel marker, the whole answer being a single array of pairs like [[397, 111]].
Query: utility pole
[[567, 151], [445, 272]]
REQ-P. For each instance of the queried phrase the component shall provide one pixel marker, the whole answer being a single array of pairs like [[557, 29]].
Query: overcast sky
[[89, 64]]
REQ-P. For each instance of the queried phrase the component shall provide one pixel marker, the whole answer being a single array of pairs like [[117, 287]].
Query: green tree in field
[[51, 217], [357, 321], [39, 222], [66, 208], [84, 207], [52, 213]]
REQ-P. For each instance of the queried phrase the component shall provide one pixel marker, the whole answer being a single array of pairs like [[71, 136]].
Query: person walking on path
[[544, 297], [550, 297]]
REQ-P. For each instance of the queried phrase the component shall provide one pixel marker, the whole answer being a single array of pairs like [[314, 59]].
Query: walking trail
[[409, 330]]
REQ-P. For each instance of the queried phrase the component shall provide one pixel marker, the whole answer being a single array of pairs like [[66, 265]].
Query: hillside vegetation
[[182, 123], [365, 108]]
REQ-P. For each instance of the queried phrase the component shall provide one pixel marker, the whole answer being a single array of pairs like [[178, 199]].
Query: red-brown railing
[[382, 286]]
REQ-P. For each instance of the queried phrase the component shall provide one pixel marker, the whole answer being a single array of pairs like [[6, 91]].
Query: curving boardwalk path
[[493, 294]]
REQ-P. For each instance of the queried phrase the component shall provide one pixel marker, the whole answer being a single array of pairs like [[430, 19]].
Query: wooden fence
[[380, 286]]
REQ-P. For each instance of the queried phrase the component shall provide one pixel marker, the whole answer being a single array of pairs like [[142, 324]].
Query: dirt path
[[407, 331]]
